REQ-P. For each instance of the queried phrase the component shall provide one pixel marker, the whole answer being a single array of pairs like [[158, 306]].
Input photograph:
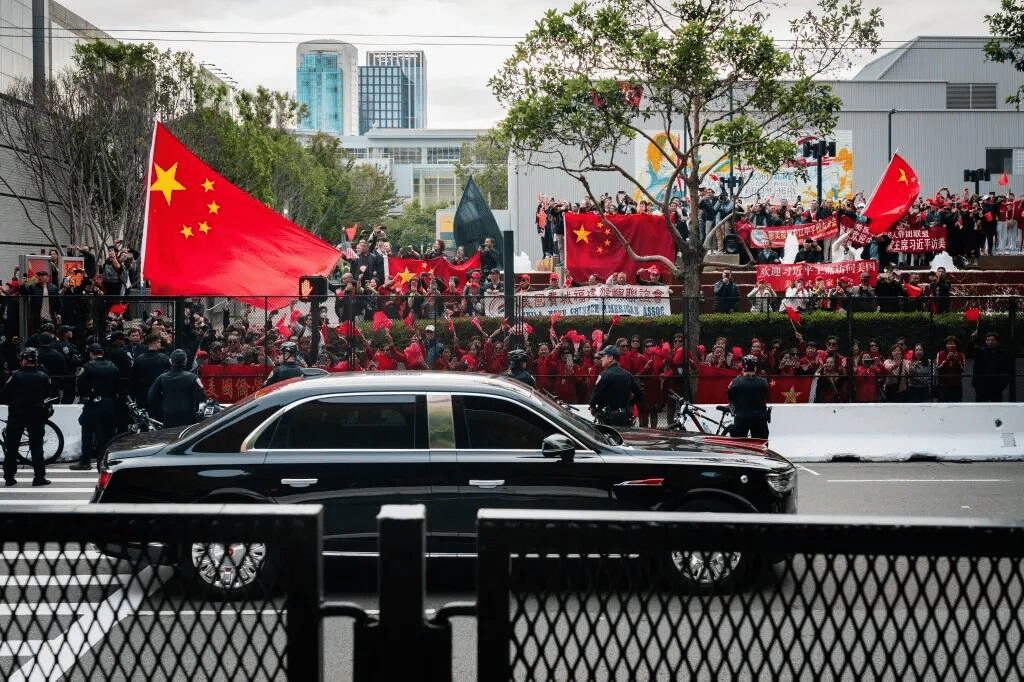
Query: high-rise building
[[326, 82], [393, 90]]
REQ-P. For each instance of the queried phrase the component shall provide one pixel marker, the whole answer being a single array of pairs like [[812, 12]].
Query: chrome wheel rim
[[228, 566], [706, 568]]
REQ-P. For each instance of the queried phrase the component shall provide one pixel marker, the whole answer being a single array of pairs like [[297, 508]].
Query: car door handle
[[486, 484], [299, 482]]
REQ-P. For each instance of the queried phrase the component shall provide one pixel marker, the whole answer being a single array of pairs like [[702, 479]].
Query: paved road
[[971, 490]]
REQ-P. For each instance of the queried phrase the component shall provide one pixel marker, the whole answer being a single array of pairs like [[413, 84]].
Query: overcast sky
[[465, 41]]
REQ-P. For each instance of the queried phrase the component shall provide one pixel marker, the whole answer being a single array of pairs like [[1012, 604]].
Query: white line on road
[[810, 471], [50, 503], [30, 490], [34, 554], [72, 580], [917, 480]]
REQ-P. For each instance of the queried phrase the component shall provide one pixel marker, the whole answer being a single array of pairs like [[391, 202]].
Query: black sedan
[[453, 442]]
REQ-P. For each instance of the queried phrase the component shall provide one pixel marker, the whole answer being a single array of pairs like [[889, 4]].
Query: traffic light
[[312, 288]]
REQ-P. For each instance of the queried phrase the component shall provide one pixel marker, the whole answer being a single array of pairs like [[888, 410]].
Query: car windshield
[[234, 408], [571, 414]]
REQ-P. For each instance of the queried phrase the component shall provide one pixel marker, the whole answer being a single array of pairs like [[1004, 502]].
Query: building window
[[970, 95], [999, 160]]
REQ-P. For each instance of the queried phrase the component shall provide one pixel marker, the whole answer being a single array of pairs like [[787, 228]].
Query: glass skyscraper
[[325, 79], [393, 90]]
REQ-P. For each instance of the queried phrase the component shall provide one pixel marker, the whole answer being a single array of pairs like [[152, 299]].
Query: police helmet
[[179, 358], [29, 354], [290, 347], [749, 363], [517, 356]]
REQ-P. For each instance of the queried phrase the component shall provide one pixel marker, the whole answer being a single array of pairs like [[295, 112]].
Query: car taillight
[[103, 480], [645, 481]]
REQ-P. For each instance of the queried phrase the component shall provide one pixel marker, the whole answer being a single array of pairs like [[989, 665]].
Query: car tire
[[710, 572], [228, 571]]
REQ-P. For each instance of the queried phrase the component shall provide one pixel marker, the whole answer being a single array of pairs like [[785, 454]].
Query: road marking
[[813, 473], [30, 490], [52, 503], [66, 580], [917, 480], [209, 612], [34, 554], [55, 661]]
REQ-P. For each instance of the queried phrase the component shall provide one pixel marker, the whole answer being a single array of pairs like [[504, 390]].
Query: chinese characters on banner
[[780, 276], [760, 236], [230, 383], [638, 301], [905, 238]]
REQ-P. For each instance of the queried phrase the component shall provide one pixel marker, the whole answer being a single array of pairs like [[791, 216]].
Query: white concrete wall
[[66, 417]]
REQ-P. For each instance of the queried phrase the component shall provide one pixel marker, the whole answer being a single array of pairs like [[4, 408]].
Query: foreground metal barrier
[[591, 596], [69, 611]]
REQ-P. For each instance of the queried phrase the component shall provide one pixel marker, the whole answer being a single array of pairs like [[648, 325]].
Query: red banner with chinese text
[[906, 238], [759, 236], [779, 276], [230, 383]]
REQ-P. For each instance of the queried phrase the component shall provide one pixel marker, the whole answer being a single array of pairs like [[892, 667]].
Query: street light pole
[[889, 157]]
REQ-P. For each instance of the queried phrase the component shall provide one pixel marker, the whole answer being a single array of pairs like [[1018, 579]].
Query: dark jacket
[[98, 382], [26, 392], [175, 397], [145, 371], [286, 370], [615, 391]]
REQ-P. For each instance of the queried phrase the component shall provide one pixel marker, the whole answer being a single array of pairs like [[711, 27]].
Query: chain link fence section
[[599, 597], [128, 592]]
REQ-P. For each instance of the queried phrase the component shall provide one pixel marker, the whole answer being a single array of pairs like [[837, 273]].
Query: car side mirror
[[558, 445]]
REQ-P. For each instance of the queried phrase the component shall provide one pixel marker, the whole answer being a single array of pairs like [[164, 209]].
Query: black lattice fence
[[598, 597], [212, 592]]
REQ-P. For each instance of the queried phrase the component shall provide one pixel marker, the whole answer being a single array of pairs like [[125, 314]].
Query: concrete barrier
[[891, 432], [874, 432]]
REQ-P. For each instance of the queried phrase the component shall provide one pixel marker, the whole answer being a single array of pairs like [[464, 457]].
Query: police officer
[[288, 368], [53, 361], [175, 395], [148, 366], [26, 393], [97, 387], [615, 392], [517, 367], [748, 395]]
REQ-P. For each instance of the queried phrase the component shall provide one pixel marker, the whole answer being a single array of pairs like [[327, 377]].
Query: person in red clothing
[[866, 382], [949, 370], [570, 378], [629, 358], [415, 356], [545, 368], [652, 366]]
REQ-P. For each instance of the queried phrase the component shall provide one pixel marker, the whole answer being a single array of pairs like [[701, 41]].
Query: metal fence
[[594, 596], [73, 610]]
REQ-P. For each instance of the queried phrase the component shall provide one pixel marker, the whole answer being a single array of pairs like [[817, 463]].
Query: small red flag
[[616, 320], [912, 291], [350, 232], [1004, 180], [282, 327], [896, 193], [476, 323], [119, 308], [204, 236], [451, 326], [555, 317], [972, 315], [597, 338], [347, 329], [794, 315], [409, 321], [381, 321]]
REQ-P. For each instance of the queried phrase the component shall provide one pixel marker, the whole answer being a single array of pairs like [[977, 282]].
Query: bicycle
[[53, 439], [687, 412]]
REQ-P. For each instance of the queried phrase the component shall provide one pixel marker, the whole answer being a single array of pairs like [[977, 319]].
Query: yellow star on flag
[[165, 182], [406, 276], [791, 395], [213, 207], [600, 250], [582, 235], [208, 185], [187, 231], [204, 228]]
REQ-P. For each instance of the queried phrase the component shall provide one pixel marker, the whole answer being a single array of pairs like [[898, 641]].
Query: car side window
[[349, 423], [497, 424], [230, 437]]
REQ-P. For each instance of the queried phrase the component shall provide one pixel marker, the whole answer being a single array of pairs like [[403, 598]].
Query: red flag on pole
[[204, 236], [794, 315], [895, 194], [1004, 180]]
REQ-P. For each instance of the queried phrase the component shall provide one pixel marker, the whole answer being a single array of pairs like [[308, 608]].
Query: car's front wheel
[[228, 570], [710, 571]]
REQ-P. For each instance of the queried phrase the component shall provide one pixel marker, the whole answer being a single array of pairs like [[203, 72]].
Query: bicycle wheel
[[53, 444]]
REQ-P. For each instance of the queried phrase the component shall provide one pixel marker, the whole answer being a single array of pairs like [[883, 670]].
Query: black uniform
[[56, 366], [26, 392], [286, 370], [149, 365], [615, 393], [97, 386], [749, 397], [175, 396]]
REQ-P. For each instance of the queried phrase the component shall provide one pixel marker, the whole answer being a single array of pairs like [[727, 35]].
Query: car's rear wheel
[[228, 570], [710, 571]]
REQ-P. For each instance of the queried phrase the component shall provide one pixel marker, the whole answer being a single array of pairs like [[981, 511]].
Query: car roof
[[420, 381]]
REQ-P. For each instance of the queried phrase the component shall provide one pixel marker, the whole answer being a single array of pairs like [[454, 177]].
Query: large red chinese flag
[[896, 193], [713, 384], [204, 236], [789, 389], [592, 248], [407, 269]]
